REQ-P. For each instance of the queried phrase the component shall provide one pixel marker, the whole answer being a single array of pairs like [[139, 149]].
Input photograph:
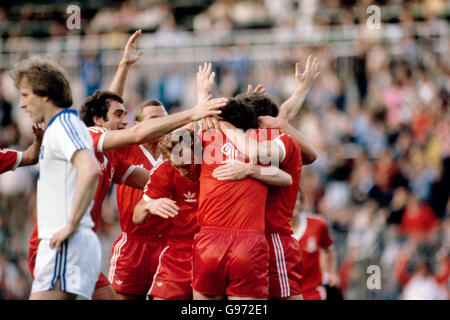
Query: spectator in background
[[91, 65], [418, 220]]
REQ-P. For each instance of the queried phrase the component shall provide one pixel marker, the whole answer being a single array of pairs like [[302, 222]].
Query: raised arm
[[238, 170], [151, 129], [205, 81], [308, 153], [130, 56], [87, 178], [305, 80], [31, 155], [262, 152]]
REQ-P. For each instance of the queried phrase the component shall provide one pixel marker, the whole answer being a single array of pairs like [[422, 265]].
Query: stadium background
[[378, 114]]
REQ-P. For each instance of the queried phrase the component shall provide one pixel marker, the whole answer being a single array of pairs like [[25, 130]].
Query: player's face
[[117, 116], [152, 112], [189, 170], [31, 103]]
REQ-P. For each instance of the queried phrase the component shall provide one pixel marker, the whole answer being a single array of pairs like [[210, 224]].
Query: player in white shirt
[[69, 255]]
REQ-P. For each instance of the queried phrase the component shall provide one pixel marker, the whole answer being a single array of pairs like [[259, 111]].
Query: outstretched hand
[[205, 81], [131, 54], [259, 89], [208, 107], [306, 79]]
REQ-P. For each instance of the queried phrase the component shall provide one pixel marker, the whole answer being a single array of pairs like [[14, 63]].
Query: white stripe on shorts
[[115, 257], [157, 270], [281, 265]]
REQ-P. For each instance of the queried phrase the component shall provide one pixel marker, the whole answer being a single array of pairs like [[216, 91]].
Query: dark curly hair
[[239, 115], [261, 103], [97, 105]]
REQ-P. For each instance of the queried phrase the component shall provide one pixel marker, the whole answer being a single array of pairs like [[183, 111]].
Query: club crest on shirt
[[311, 244], [190, 197], [230, 151]]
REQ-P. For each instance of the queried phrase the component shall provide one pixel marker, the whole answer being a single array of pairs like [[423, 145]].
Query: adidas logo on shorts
[[119, 282], [159, 284]]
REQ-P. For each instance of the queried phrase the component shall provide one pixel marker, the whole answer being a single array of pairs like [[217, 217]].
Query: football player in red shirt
[[284, 265], [11, 159], [135, 253], [318, 253], [105, 110], [172, 191]]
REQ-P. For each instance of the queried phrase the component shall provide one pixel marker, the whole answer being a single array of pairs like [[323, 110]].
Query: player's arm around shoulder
[[263, 152], [238, 170]]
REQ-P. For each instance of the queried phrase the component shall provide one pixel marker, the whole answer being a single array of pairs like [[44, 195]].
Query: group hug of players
[[205, 209]]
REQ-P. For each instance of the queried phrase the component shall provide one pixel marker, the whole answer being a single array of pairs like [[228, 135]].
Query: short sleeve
[[325, 239], [98, 136], [292, 152], [160, 183], [9, 159], [70, 136], [122, 167]]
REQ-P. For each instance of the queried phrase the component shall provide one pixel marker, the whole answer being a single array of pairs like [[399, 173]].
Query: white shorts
[[77, 265]]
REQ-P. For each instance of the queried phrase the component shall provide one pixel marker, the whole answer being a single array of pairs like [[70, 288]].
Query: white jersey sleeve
[[71, 135]]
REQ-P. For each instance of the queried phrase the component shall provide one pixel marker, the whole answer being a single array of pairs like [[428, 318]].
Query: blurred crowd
[[48, 18], [380, 126]]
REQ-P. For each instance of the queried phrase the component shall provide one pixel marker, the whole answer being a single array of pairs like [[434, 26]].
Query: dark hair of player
[[239, 115], [97, 105], [261, 103]]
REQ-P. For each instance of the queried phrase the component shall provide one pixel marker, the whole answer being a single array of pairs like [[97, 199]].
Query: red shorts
[[134, 259], [231, 262], [317, 293], [102, 281], [285, 268], [173, 278]]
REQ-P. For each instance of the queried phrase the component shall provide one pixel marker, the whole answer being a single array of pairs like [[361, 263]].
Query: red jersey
[[9, 159], [228, 204], [312, 235], [114, 170], [128, 197], [166, 182], [281, 200]]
